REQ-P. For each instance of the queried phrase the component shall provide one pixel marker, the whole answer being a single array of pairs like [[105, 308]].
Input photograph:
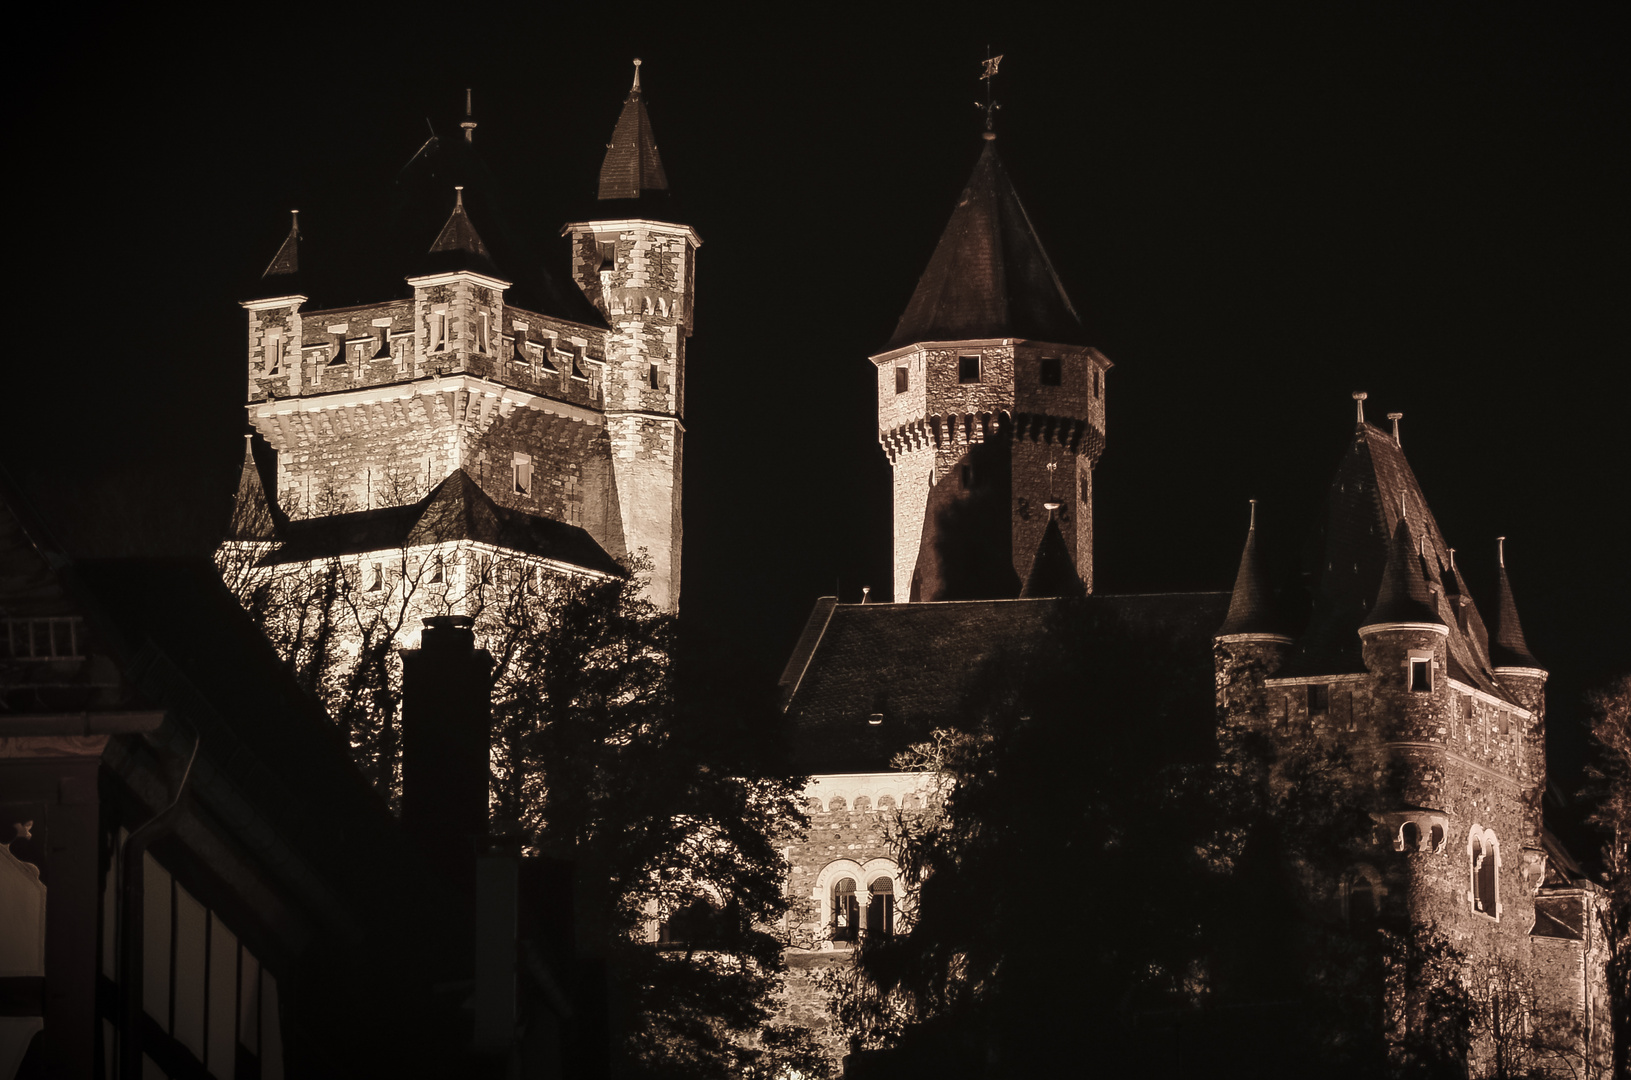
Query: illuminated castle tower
[[463, 418], [990, 406]]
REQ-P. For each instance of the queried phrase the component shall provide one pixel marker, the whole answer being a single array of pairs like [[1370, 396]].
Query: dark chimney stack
[[446, 716]]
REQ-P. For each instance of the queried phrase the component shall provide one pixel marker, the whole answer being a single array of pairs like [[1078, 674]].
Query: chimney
[[446, 716]]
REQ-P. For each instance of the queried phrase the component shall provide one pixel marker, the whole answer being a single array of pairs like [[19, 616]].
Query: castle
[[455, 422]]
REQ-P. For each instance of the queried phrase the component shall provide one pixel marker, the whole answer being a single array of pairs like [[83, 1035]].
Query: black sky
[[1256, 212]]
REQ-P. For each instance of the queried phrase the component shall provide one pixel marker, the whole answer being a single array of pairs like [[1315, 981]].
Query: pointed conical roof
[[1053, 571], [1507, 647], [458, 246], [1251, 605], [632, 164], [282, 275], [1404, 595], [252, 511], [989, 276]]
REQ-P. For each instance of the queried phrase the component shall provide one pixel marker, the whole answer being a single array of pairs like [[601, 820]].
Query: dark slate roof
[[632, 164], [922, 666], [1373, 489], [989, 276], [1507, 647], [1404, 595], [252, 510], [458, 246], [282, 276], [1251, 604], [1053, 571], [456, 509]]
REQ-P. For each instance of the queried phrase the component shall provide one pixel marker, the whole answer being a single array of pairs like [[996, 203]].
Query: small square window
[[903, 379], [1319, 700], [1053, 373], [968, 369], [523, 474], [1421, 675]]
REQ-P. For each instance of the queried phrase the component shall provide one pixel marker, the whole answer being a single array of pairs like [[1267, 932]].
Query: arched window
[[1484, 851], [846, 910], [1411, 835], [1438, 838], [880, 907]]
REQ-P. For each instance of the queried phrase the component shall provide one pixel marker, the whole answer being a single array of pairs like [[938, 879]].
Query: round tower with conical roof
[[638, 267], [990, 406]]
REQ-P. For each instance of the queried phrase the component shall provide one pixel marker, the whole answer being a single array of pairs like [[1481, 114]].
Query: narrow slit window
[[376, 577], [274, 355], [383, 352], [1053, 373], [656, 377], [485, 329], [438, 332], [1098, 385], [523, 474], [968, 369], [1421, 676], [438, 570], [903, 379]]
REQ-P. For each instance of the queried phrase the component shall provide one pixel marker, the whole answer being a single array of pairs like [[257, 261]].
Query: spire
[[252, 511], [469, 122], [1404, 596], [1359, 406], [1396, 417], [286, 263], [632, 165], [1251, 606], [989, 276], [458, 246], [1053, 571], [1507, 647]]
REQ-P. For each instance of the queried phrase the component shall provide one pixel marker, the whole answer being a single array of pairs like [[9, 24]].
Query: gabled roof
[[989, 276], [1251, 604], [456, 509], [632, 164], [1053, 571], [458, 246], [1507, 647], [922, 666]]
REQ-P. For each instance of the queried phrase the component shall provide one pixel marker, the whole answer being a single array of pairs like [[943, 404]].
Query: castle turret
[[1404, 642], [639, 270], [990, 405], [458, 304], [1251, 645], [275, 331]]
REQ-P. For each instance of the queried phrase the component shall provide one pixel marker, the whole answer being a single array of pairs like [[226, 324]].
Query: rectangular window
[[438, 570], [274, 354], [1319, 700], [523, 474], [1053, 371], [1421, 675], [968, 369], [382, 339], [438, 331], [485, 326], [656, 377], [376, 577], [1098, 387], [903, 380], [606, 255]]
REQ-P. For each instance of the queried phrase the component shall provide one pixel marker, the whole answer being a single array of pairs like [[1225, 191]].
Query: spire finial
[[1359, 404], [458, 196], [988, 75], [635, 89], [1452, 558], [1500, 551], [1253, 523], [1396, 417], [468, 124]]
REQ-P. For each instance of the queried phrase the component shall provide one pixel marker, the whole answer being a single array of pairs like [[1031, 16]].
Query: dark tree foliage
[[1104, 883], [1610, 776]]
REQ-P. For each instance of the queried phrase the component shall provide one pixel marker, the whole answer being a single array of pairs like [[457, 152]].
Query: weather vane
[[988, 76]]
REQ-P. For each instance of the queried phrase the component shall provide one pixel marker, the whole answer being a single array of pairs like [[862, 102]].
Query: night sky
[[1256, 214]]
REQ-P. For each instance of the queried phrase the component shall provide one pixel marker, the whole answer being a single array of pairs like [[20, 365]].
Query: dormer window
[[968, 369], [903, 379], [1052, 372]]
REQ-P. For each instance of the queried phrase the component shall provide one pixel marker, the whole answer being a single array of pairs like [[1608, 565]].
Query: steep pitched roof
[[456, 509], [1507, 647], [922, 666], [458, 246], [1373, 490], [989, 276], [1053, 571], [632, 164], [252, 510], [1404, 595], [1251, 604], [282, 276]]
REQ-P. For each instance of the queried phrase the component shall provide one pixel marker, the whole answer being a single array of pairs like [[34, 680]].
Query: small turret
[[1251, 605], [1251, 645], [1507, 647], [1405, 596], [458, 246], [632, 165]]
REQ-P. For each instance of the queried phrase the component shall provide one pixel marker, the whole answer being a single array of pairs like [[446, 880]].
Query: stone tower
[[639, 270], [990, 406]]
